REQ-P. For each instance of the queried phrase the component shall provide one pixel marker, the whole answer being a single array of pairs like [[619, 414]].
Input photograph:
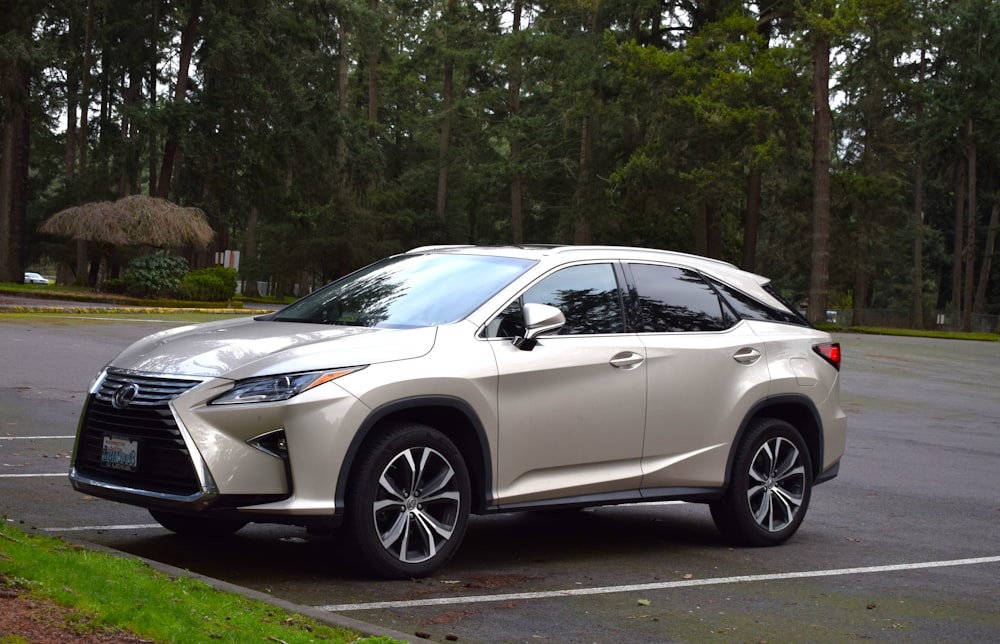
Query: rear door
[[705, 368]]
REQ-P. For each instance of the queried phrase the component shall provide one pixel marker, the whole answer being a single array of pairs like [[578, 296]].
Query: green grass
[[81, 294], [914, 333], [88, 294], [105, 591], [89, 316]]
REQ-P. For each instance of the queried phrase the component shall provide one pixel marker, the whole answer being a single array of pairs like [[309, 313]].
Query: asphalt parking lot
[[903, 546]]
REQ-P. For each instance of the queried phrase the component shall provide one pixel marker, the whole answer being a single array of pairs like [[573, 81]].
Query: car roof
[[714, 267]]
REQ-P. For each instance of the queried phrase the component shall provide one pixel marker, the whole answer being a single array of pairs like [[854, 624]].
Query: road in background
[[902, 546]]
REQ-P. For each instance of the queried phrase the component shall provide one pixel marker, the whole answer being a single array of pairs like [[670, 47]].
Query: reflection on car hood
[[247, 347]]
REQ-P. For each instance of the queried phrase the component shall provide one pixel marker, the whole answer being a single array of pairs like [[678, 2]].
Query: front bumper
[[189, 456]]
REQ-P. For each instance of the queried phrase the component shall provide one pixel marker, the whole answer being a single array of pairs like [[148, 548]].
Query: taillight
[[830, 352]]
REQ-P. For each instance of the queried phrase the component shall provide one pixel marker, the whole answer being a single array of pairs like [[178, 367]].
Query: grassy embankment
[[123, 593]]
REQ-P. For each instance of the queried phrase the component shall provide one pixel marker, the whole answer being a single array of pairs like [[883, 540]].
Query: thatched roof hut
[[136, 220]]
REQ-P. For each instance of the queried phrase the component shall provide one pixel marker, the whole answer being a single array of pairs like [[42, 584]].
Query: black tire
[[770, 488], [408, 502], [193, 526]]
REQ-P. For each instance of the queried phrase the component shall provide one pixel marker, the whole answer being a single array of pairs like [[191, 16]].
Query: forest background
[[845, 148]]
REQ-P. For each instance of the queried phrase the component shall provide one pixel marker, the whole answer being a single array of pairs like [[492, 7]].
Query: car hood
[[249, 347]]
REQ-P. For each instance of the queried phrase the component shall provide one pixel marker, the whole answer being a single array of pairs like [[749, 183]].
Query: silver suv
[[449, 381]]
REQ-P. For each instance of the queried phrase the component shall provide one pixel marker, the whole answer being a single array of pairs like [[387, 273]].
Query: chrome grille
[[152, 390], [164, 463]]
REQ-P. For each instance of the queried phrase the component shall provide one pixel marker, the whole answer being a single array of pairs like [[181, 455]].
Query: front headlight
[[277, 388]]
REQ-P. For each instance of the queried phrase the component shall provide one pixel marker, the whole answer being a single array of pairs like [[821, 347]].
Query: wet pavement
[[901, 547]]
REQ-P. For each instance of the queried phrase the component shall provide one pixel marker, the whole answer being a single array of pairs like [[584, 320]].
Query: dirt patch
[[42, 621]]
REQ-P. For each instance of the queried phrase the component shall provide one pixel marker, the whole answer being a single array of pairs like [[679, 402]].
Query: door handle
[[626, 360], [747, 355]]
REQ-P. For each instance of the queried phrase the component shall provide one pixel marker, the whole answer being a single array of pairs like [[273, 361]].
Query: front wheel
[[770, 487], [408, 502]]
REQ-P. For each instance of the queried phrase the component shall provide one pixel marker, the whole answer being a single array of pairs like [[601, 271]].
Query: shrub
[[154, 275], [111, 285], [216, 284]]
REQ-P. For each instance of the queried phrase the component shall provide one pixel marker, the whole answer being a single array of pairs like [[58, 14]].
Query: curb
[[109, 310]]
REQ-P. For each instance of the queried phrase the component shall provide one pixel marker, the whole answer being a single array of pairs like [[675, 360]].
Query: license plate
[[119, 453]]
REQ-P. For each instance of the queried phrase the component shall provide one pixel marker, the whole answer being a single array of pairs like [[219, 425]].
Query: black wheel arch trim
[[791, 408], [482, 469]]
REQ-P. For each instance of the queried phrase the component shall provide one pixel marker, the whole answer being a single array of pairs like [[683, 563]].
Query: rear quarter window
[[748, 308]]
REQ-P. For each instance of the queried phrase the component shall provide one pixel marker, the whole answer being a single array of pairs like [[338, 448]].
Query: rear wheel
[[194, 526], [770, 487], [408, 502]]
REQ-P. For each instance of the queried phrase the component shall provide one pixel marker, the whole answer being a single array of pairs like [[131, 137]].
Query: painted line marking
[[606, 590], [31, 476], [87, 528], [31, 438], [105, 318]]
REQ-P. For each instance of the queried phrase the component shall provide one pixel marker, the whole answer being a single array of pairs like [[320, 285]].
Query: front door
[[572, 411]]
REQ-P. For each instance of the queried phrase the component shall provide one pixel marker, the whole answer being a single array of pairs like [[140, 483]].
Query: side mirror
[[538, 319]]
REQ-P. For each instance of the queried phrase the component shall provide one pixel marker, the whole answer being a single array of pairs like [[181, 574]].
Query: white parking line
[[606, 590], [86, 528], [30, 438], [31, 476]]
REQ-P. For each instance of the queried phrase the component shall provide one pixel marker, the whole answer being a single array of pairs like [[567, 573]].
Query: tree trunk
[[445, 139], [862, 270], [105, 145], [73, 97], [342, 107], [72, 103], [984, 270], [180, 91], [917, 320], [708, 231], [152, 82], [820, 257], [128, 182], [516, 189], [83, 133], [714, 222], [250, 280], [701, 230], [584, 201], [15, 99], [751, 224], [956, 264], [970, 233], [14, 178], [373, 83], [447, 99]]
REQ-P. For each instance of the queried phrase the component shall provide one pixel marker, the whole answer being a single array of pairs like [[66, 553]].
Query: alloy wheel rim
[[417, 503], [777, 484]]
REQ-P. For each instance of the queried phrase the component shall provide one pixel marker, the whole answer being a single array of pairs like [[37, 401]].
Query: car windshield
[[408, 291]]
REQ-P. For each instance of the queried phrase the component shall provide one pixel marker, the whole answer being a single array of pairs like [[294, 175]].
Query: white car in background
[[34, 278]]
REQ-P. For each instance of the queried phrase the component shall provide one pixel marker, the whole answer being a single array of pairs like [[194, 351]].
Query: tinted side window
[[675, 299], [750, 309], [587, 295]]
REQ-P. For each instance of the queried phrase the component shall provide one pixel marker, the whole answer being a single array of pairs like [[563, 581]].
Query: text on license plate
[[120, 453]]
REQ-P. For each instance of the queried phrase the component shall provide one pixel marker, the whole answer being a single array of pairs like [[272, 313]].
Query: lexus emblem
[[124, 395]]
